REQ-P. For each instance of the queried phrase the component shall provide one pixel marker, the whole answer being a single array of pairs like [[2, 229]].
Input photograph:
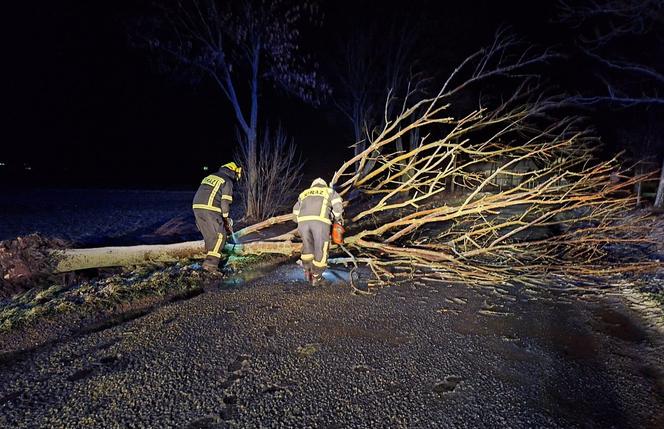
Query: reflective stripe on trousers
[[210, 224], [315, 236]]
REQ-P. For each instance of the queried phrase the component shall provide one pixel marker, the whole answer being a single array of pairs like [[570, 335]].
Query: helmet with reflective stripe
[[319, 182], [234, 168]]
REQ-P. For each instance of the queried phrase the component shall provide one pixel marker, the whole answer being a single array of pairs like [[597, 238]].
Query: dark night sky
[[85, 108]]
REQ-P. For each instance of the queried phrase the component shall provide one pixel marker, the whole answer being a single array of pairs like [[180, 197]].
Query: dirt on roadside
[[26, 262]]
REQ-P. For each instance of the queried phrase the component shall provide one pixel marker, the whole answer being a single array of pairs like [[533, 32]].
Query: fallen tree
[[80, 259], [533, 203], [100, 257], [562, 218]]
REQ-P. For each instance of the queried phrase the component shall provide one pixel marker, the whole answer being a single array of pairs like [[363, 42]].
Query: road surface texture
[[276, 353]]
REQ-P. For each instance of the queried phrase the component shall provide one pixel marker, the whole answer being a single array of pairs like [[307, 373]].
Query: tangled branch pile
[[508, 189], [532, 203]]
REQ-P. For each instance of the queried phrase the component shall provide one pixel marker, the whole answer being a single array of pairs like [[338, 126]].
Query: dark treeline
[[88, 107]]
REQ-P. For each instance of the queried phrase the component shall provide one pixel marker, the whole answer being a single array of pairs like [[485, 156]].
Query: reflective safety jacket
[[215, 193], [318, 203]]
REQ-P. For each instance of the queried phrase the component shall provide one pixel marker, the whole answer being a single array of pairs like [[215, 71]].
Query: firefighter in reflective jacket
[[314, 212], [212, 208]]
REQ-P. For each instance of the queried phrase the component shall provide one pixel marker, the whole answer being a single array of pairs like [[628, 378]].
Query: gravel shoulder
[[276, 353]]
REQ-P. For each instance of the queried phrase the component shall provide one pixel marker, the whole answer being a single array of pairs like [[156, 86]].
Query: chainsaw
[[228, 226], [338, 239]]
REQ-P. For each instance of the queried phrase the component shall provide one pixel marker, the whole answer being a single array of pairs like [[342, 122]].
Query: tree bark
[[659, 199], [250, 150], [263, 225], [638, 171], [81, 259]]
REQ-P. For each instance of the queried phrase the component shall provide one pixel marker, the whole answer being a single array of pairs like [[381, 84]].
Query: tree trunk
[[371, 162], [81, 259], [454, 164], [659, 199], [637, 172], [251, 199], [247, 132], [360, 144], [251, 209]]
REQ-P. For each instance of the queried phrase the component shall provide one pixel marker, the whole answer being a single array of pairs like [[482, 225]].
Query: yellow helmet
[[234, 168]]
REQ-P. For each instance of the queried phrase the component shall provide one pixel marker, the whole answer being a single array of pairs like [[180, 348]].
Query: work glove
[[228, 225]]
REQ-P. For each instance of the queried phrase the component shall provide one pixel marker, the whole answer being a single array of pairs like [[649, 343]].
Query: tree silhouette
[[239, 46]]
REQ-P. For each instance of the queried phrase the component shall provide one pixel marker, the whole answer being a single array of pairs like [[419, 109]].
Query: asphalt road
[[276, 353]]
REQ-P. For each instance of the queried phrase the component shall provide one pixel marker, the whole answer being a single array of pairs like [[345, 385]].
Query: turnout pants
[[315, 243], [210, 224]]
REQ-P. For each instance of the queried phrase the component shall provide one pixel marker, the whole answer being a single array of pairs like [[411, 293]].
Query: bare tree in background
[[355, 96], [641, 134], [375, 71], [279, 173], [614, 34], [239, 45], [659, 198], [624, 39]]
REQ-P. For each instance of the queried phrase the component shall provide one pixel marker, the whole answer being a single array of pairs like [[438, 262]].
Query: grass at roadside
[[659, 297], [113, 293]]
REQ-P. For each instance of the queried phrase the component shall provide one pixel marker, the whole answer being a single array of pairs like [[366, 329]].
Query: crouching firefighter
[[314, 212], [212, 211]]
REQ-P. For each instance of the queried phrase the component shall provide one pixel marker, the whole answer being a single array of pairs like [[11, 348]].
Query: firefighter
[[212, 209], [314, 212]]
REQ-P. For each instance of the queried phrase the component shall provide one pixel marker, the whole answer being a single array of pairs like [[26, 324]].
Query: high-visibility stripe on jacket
[[318, 203], [215, 193]]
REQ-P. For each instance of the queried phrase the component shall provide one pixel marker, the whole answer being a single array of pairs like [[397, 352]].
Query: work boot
[[212, 269], [316, 279]]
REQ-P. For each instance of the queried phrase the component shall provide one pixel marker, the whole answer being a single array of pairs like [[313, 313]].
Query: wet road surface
[[276, 353]]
